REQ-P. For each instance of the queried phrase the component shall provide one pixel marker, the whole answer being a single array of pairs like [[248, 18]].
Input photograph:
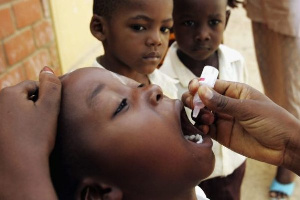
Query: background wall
[[35, 33], [27, 40], [76, 45]]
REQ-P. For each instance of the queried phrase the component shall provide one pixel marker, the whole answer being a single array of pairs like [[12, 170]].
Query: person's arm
[[28, 120], [249, 123]]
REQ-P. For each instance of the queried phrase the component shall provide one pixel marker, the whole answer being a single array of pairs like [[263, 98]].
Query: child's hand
[[28, 121]]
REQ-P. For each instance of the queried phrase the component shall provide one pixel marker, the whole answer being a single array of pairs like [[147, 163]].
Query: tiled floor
[[258, 175]]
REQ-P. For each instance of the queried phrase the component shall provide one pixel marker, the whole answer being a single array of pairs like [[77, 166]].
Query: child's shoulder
[[229, 52], [167, 83], [233, 64]]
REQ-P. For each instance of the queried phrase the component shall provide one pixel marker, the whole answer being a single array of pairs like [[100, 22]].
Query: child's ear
[[228, 12], [98, 27], [91, 190]]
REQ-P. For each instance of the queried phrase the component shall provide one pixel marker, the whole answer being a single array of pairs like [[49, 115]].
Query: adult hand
[[249, 123], [28, 122]]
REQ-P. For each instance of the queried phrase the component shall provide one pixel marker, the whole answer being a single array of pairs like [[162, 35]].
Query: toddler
[[198, 28], [135, 36], [119, 139]]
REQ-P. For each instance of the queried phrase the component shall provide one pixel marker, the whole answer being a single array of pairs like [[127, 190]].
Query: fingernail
[[47, 70], [192, 82], [208, 94]]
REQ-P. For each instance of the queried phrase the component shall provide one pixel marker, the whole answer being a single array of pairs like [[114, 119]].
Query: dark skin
[[25, 161], [267, 133], [237, 102], [199, 31], [113, 120], [27, 135], [135, 38]]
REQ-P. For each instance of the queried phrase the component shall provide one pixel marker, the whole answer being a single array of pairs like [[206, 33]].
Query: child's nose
[[154, 39], [155, 94], [202, 33]]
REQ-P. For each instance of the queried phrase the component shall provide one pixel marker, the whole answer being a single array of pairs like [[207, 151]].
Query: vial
[[208, 77]]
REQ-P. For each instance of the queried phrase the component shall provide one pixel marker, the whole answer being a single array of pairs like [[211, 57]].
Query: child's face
[[199, 26], [138, 34], [132, 134]]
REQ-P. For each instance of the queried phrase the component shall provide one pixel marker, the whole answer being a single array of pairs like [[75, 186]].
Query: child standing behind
[[198, 28], [135, 36]]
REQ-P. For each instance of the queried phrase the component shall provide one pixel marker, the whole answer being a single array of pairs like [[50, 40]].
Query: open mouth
[[190, 132]]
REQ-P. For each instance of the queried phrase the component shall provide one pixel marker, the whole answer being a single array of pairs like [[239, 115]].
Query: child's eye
[[141, 85], [214, 22], [165, 29], [122, 105], [189, 23], [138, 27]]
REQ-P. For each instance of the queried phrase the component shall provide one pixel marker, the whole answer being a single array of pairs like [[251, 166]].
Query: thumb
[[49, 90], [223, 104]]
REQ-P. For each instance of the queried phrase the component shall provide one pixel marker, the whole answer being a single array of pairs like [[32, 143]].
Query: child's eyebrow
[[146, 18], [215, 15], [94, 93], [168, 20], [141, 17]]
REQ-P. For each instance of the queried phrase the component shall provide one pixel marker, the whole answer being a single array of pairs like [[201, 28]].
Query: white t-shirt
[[200, 194]]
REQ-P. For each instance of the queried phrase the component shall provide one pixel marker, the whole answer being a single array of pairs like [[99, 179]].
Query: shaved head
[[106, 8]]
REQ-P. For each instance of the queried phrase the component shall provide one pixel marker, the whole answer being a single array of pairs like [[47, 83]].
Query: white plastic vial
[[208, 77]]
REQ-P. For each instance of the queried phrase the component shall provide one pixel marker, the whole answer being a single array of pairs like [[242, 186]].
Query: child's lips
[[152, 55], [201, 48]]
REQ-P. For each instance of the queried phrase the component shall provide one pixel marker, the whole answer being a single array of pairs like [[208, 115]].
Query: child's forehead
[[142, 4], [132, 4], [83, 77], [87, 77]]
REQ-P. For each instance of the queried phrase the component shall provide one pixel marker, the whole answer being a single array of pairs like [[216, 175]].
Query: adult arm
[[28, 120], [249, 123]]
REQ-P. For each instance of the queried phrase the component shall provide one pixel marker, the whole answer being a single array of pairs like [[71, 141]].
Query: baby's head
[[199, 26], [134, 33], [117, 137]]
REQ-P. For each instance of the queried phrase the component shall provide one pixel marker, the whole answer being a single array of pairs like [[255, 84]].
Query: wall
[[76, 45], [27, 40]]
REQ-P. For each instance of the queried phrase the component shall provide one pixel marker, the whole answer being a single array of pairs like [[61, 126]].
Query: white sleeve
[[200, 194]]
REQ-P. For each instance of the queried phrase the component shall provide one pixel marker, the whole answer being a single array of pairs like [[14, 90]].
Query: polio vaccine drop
[[208, 77]]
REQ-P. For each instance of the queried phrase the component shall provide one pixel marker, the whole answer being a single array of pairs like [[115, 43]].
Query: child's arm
[[28, 120]]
